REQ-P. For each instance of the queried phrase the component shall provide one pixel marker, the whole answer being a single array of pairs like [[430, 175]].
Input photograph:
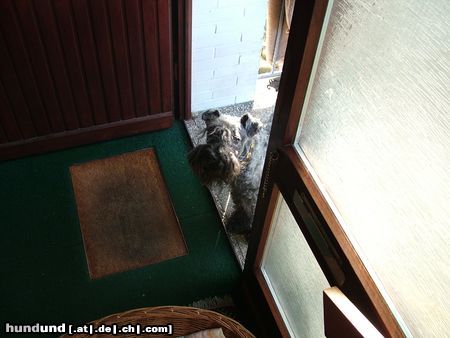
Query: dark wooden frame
[[182, 28], [291, 176], [343, 319], [285, 171], [307, 16]]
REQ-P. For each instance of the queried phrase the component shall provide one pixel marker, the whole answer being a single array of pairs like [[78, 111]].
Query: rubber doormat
[[126, 216]]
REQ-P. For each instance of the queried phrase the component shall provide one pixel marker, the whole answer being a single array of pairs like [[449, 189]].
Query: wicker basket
[[185, 320]]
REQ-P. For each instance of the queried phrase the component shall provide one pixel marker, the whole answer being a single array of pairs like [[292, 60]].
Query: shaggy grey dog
[[234, 153]]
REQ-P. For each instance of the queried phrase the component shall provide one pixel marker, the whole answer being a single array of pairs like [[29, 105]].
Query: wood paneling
[[27, 18], [56, 61], [121, 57], [150, 39], [70, 65], [2, 135], [136, 46], [72, 57], [165, 47], [103, 44], [89, 56], [13, 101], [19, 60], [7, 119]]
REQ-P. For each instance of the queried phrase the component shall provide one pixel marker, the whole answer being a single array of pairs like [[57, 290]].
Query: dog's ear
[[250, 124], [210, 115], [213, 163]]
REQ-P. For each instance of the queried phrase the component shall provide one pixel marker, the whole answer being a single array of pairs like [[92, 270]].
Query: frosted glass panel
[[294, 276], [376, 133]]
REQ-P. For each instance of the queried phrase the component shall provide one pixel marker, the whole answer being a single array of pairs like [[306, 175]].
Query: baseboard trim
[[73, 138]]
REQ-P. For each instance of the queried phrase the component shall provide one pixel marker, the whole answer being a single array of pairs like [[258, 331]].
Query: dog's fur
[[234, 154]]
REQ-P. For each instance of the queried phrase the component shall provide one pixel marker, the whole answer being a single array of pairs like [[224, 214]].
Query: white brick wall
[[226, 44]]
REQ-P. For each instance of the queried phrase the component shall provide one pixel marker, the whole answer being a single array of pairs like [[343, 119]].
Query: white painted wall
[[227, 37]]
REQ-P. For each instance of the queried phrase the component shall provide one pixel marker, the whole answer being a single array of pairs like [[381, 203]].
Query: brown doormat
[[126, 216]]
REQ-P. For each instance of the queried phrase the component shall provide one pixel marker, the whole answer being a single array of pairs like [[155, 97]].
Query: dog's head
[[211, 162], [229, 129], [251, 125], [226, 140]]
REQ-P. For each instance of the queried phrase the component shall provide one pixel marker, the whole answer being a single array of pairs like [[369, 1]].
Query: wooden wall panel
[[35, 46], [136, 46], [150, 8], [105, 57], [121, 57], [164, 48], [3, 137], [13, 93], [51, 42], [20, 58], [89, 56], [74, 65], [7, 119]]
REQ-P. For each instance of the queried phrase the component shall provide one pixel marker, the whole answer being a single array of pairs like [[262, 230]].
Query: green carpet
[[44, 274]]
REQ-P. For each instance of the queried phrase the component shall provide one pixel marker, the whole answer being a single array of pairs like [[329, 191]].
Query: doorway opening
[[238, 51]]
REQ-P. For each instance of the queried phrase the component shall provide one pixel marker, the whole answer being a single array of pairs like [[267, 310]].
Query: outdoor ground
[[262, 107]]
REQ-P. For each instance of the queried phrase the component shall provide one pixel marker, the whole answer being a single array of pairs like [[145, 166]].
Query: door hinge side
[[273, 157]]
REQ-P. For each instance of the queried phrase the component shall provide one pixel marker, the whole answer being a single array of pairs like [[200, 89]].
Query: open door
[[342, 186]]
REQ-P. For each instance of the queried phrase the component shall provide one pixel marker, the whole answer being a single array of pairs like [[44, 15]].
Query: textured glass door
[[362, 130], [293, 275], [375, 133]]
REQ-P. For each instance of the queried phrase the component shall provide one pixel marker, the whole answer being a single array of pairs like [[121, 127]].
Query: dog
[[234, 153]]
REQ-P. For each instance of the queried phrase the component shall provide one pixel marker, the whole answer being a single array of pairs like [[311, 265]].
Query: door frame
[[285, 171], [182, 59]]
